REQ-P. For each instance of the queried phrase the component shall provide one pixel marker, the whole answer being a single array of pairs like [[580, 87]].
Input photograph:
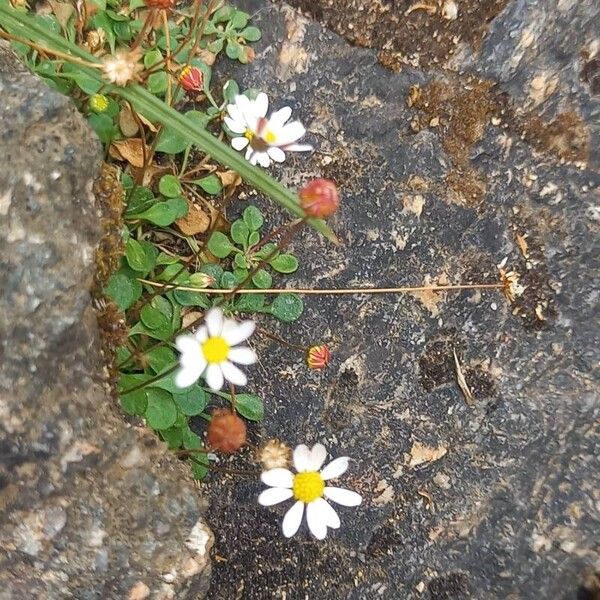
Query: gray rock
[[87, 499], [511, 509]]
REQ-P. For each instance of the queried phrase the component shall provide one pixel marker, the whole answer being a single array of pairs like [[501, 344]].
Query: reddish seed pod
[[318, 357], [320, 198], [226, 431]]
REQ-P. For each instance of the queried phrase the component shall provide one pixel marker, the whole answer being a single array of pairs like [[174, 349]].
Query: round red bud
[[320, 198], [226, 431]]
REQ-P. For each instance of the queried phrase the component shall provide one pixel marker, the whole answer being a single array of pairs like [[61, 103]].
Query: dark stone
[[511, 509], [74, 476]]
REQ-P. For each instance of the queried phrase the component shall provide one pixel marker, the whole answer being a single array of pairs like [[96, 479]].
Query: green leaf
[[240, 273], [284, 263], [161, 411], [188, 298], [199, 470], [173, 142], [215, 271], [287, 307], [269, 249], [123, 290], [253, 239], [253, 218], [250, 303], [153, 319], [169, 186], [192, 402], [211, 184], [223, 14], [250, 406], [137, 257], [240, 232], [168, 383], [228, 281], [104, 127], [240, 261], [262, 279], [239, 19], [174, 273], [233, 49], [164, 213], [191, 441], [157, 82], [163, 332], [161, 358], [173, 436], [152, 57], [135, 403], [230, 90], [251, 34], [140, 199], [220, 245]]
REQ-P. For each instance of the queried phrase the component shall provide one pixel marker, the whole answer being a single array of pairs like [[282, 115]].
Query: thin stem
[[165, 21], [276, 338], [42, 50], [334, 291], [142, 34]]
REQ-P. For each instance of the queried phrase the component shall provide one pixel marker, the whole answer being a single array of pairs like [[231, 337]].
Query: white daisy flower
[[212, 350], [308, 487], [265, 138]]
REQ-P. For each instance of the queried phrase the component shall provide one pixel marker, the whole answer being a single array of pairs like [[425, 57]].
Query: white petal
[[214, 377], [342, 496], [280, 478], [214, 321], [316, 519], [329, 516], [290, 133], [279, 117], [301, 458], [292, 519], [248, 109], [187, 344], [188, 375], [263, 159], [236, 114], [235, 126], [261, 105], [251, 155], [202, 334], [238, 332], [318, 454], [298, 148], [274, 496], [335, 468], [277, 154], [233, 374], [242, 355], [239, 143]]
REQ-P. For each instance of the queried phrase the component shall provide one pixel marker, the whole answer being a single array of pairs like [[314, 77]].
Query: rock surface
[[91, 506], [495, 157]]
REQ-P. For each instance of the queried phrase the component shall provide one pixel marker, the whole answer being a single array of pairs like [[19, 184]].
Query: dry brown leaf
[[196, 221], [62, 11], [130, 150], [127, 122], [150, 173], [428, 498], [462, 382], [522, 243], [190, 317], [206, 56], [421, 453], [229, 178]]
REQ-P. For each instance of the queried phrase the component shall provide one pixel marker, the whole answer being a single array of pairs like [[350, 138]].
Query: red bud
[[319, 198]]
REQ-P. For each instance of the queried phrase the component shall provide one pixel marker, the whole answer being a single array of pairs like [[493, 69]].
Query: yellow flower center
[[249, 135], [215, 350], [308, 486], [270, 137]]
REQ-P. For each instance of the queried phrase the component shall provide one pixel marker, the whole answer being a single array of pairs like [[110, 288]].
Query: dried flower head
[[274, 454], [320, 198], [98, 103], [94, 40], [191, 79], [164, 4], [122, 67], [510, 280], [318, 357], [226, 431]]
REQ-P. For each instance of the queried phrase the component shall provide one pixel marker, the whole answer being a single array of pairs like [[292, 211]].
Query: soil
[[421, 33]]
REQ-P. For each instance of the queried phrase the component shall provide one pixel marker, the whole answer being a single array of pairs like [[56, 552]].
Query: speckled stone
[[87, 500], [442, 190]]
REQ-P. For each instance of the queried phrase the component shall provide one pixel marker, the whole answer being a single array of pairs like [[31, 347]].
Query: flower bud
[[98, 103], [274, 454], [226, 431], [320, 198], [191, 79], [318, 357]]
